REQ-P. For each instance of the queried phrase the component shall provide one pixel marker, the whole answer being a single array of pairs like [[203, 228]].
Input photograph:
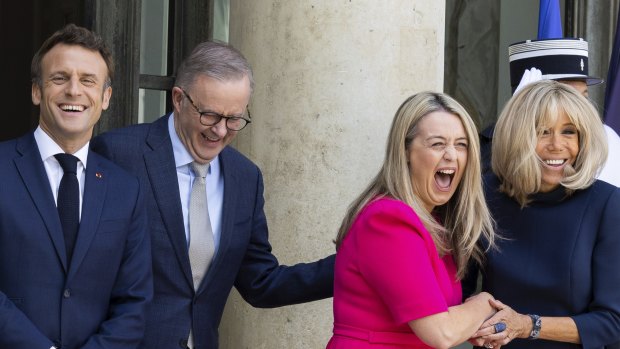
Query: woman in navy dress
[[557, 266]]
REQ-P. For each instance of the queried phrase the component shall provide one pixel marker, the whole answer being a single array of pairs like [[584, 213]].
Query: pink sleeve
[[396, 257]]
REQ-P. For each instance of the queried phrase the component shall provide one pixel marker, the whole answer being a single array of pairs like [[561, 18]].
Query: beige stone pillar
[[329, 75]]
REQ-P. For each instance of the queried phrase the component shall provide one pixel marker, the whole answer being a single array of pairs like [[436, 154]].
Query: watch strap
[[536, 324]]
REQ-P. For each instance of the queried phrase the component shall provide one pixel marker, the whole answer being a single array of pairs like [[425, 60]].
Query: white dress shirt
[[47, 149]]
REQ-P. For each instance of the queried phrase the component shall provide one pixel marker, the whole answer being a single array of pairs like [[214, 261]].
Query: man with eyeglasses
[[205, 206]]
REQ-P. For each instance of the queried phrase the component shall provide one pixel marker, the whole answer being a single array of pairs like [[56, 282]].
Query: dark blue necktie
[[68, 202]]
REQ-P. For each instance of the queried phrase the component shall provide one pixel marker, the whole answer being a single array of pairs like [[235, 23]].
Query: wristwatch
[[536, 324]]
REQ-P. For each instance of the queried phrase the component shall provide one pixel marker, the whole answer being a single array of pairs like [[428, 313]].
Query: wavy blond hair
[[465, 216], [522, 121]]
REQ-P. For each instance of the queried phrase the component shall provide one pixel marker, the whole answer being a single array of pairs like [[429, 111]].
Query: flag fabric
[[549, 20], [612, 91]]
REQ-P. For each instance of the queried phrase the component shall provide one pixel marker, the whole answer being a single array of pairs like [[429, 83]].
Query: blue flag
[[549, 20], [612, 91]]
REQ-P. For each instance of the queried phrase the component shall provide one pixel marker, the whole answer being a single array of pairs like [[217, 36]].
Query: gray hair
[[216, 60]]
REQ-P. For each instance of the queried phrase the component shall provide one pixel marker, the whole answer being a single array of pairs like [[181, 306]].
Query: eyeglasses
[[209, 118]]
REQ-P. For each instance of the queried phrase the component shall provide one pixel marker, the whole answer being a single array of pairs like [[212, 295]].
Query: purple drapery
[[612, 91]]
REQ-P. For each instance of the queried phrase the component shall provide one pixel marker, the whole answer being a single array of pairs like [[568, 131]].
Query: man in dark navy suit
[[196, 265], [75, 266]]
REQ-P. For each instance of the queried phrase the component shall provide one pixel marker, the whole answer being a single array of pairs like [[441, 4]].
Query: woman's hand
[[502, 327], [482, 295]]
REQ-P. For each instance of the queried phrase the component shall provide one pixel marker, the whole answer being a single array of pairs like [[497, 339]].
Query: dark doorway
[[24, 24]]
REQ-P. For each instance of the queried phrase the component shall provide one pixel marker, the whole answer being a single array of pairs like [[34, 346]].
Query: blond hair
[[465, 216], [525, 116]]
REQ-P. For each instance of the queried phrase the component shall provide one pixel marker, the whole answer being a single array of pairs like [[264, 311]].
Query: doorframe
[[118, 23]]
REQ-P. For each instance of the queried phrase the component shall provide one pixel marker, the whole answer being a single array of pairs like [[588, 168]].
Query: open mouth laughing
[[72, 107], [210, 139], [444, 177]]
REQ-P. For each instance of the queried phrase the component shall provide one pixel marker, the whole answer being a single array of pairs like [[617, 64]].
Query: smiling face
[[437, 158], [228, 98], [557, 147], [72, 95]]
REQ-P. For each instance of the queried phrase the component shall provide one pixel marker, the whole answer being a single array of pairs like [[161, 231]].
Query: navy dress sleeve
[[601, 324]]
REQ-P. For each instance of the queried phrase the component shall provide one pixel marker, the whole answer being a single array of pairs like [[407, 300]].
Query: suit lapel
[[95, 186], [162, 173], [31, 169]]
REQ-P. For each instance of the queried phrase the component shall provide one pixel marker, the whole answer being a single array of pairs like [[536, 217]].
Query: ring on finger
[[488, 345], [499, 327]]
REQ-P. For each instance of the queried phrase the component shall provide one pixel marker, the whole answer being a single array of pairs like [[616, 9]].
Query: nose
[[555, 142], [220, 128], [450, 153], [73, 87]]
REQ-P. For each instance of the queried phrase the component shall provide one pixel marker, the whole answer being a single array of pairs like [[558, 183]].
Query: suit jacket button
[[66, 293], [183, 343]]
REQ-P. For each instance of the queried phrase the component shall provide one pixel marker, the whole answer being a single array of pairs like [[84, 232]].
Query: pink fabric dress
[[387, 273]]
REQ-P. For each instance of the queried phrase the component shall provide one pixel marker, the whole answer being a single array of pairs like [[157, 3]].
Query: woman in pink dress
[[404, 245]]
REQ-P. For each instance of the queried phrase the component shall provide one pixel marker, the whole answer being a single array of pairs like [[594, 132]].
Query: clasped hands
[[504, 326]]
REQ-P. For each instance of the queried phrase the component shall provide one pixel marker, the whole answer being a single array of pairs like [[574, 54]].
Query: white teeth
[[448, 172], [209, 138], [67, 107], [554, 162]]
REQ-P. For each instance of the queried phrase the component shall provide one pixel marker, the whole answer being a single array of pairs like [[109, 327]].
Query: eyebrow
[[562, 125], [89, 75], [240, 115], [65, 73], [207, 110], [432, 137], [444, 138]]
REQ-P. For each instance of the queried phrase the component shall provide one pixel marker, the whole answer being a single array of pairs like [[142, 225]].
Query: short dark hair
[[71, 34]]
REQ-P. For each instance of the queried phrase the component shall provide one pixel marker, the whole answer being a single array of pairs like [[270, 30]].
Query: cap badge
[[582, 65]]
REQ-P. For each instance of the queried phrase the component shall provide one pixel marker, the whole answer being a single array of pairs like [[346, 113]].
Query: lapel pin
[[99, 175]]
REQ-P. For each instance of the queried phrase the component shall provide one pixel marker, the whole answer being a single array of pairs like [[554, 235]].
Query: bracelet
[[536, 324]]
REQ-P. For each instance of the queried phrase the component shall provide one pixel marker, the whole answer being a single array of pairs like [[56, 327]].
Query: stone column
[[329, 78]]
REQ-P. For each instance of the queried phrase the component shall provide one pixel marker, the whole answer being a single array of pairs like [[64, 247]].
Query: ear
[[107, 94], [36, 94], [177, 98]]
